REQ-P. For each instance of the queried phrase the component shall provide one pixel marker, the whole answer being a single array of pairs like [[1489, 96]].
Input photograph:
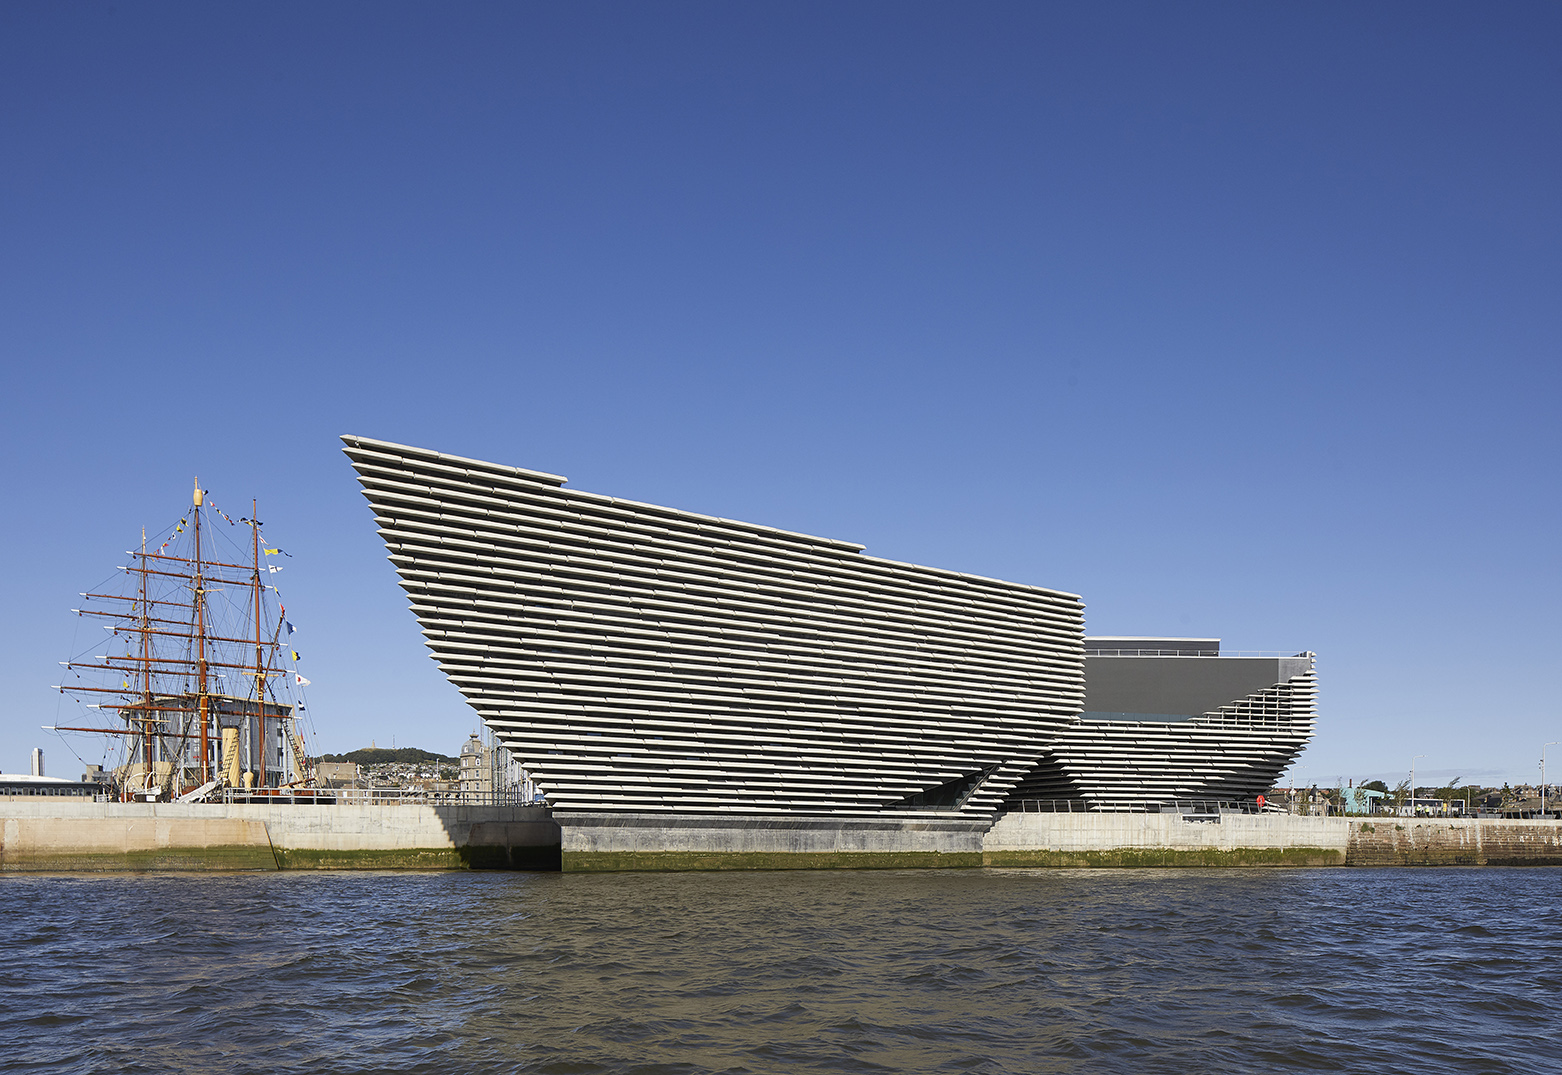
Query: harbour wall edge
[[89, 837]]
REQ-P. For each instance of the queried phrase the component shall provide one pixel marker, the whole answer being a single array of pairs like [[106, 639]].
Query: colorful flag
[[302, 682], [289, 627], [295, 655], [273, 568]]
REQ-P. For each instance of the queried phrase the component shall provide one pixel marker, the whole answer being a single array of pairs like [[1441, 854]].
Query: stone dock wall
[[1165, 840], [595, 842], [1454, 842], [1267, 840], [55, 836]]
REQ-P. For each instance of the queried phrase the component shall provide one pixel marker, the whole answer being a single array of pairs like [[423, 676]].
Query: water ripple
[[982, 971]]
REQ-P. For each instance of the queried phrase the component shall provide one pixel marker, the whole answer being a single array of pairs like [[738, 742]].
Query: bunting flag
[[300, 680], [289, 626], [273, 568], [295, 655], [272, 552]]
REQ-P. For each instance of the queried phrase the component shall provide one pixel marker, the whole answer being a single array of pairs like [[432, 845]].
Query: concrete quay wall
[[1267, 840], [1019, 839], [55, 836], [70, 836], [594, 842]]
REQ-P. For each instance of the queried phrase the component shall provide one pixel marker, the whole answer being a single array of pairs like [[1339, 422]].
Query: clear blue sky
[[1238, 319]]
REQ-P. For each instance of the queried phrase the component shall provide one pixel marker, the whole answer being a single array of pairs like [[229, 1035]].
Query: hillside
[[383, 756]]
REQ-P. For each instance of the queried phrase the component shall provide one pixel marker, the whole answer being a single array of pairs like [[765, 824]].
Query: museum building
[[646, 659]]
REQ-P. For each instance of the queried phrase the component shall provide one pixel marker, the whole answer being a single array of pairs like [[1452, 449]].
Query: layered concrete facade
[[644, 659], [1172, 719]]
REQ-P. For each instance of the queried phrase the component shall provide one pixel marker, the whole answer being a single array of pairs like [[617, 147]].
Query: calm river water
[[1027, 971]]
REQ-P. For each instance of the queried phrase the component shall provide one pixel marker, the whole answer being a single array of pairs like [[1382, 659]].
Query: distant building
[[1360, 800], [477, 776], [490, 768], [29, 786], [338, 774]]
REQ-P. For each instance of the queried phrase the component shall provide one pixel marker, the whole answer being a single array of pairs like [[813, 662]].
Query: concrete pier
[[69, 836], [602, 841], [48, 836], [1165, 840], [1267, 840]]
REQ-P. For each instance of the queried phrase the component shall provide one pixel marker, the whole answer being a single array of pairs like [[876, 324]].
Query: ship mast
[[260, 672], [198, 586], [146, 668]]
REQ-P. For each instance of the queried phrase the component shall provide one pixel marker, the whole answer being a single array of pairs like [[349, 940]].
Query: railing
[[374, 797], [1454, 809], [1170, 806], [1210, 807], [1195, 653]]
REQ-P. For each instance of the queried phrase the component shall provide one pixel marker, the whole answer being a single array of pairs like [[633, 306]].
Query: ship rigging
[[200, 682]]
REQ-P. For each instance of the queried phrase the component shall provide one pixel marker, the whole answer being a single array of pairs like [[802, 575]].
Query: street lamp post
[[1543, 777], [1413, 784]]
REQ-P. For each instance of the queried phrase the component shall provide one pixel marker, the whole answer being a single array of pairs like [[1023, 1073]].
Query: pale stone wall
[[55, 835], [74, 836], [1021, 839], [1455, 842]]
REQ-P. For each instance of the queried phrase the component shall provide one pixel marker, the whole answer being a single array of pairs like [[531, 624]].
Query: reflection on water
[[1025, 971]]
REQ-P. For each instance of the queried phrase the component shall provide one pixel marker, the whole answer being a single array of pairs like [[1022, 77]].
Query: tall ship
[[192, 676]]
